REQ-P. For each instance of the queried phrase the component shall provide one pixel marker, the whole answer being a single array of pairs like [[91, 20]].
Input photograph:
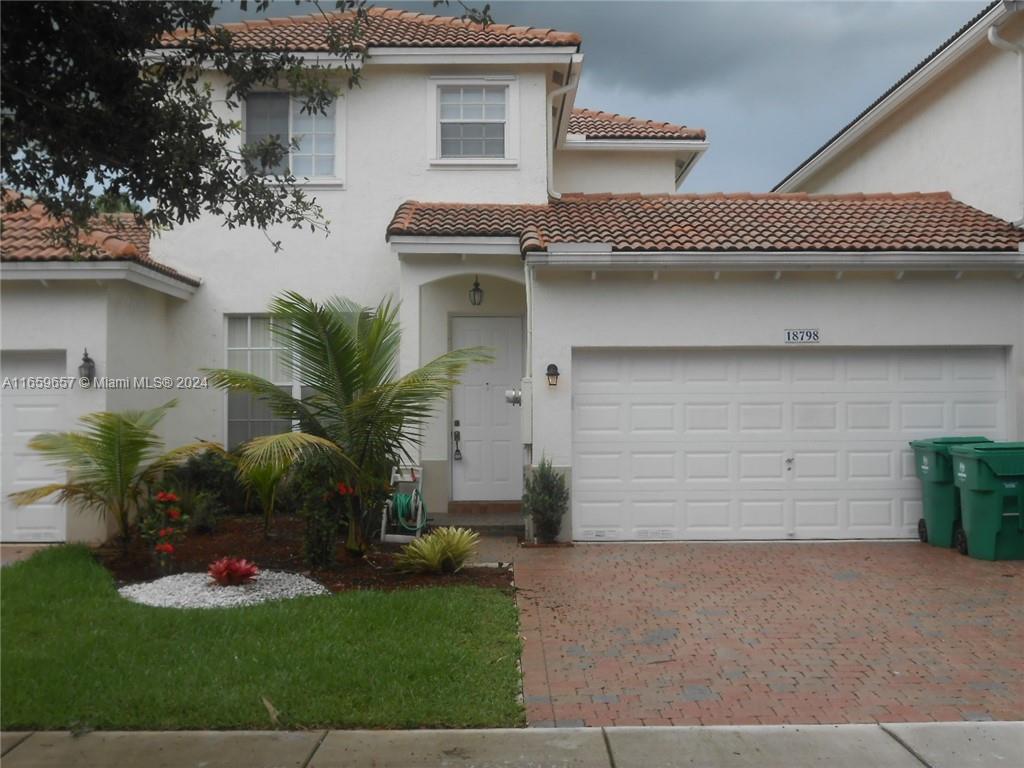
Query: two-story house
[[700, 366]]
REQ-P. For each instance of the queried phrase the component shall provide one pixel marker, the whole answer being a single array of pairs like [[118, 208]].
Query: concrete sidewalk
[[903, 745]]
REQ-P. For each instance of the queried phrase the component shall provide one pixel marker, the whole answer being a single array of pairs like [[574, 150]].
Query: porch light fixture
[[476, 293], [87, 370], [552, 374]]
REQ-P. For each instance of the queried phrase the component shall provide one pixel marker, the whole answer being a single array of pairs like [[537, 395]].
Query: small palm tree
[[111, 463], [264, 480], [355, 408]]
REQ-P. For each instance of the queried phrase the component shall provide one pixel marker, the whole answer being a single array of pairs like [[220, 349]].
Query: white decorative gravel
[[198, 590]]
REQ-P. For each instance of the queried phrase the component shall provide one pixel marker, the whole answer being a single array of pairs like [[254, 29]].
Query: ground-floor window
[[251, 347]]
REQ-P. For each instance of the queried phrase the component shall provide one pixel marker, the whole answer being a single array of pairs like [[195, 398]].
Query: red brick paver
[[708, 633]]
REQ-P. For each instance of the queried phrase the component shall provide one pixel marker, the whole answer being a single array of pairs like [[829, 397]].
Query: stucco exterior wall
[[679, 311], [68, 316], [387, 162], [962, 133], [137, 347], [593, 171]]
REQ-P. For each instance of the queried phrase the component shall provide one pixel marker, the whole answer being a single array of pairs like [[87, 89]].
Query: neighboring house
[[955, 123], [721, 366]]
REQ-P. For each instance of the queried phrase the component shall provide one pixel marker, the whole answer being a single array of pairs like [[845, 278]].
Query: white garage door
[[773, 444], [25, 413]]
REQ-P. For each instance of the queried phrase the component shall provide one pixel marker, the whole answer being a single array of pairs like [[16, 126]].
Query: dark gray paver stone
[[165, 749], [492, 748]]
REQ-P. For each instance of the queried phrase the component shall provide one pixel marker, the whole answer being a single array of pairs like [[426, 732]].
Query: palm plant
[[355, 407], [264, 480], [111, 464]]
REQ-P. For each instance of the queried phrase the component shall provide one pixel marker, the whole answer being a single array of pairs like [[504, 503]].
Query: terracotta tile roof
[[724, 222], [893, 88], [608, 125], [24, 238], [387, 28]]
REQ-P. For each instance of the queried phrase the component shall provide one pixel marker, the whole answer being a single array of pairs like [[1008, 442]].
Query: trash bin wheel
[[960, 541], [922, 531]]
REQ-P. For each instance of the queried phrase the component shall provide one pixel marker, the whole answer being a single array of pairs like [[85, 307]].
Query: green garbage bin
[[990, 477], [940, 498]]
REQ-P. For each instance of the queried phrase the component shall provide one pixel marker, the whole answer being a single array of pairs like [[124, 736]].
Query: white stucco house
[[700, 366]]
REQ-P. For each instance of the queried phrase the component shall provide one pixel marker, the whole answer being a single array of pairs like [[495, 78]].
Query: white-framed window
[[251, 347], [473, 120], [317, 153]]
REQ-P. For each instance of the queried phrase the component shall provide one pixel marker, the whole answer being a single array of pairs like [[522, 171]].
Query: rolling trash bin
[[990, 477], [940, 498]]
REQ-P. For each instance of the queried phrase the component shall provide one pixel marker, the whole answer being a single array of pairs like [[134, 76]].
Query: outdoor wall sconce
[[552, 374], [476, 293], [87, 370]]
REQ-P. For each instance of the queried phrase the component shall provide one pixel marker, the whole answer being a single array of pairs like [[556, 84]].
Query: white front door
[[26, 413], [491, 463], [768, 444]]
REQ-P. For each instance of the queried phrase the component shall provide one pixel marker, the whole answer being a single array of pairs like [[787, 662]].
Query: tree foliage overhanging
[[93, 100]]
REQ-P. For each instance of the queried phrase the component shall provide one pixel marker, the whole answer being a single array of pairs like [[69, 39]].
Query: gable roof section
[[25, 238], [388, 28], [607, 125], [898, 86], [724, 222]]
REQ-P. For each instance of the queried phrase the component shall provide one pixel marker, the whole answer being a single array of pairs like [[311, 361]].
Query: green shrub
[[203, 509], [313, 486], [443, 550], [545, 500], [211, 472]]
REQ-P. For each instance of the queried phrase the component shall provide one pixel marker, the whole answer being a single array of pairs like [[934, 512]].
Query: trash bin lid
[[931, 442], [1002, 458]]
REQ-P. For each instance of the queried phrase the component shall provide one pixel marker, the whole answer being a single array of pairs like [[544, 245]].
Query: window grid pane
[[252, 347], [472, 121], [266, 115], [314, 134]]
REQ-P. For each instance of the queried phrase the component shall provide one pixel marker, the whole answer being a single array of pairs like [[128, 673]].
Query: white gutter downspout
[[572, 85], [1003, 44]]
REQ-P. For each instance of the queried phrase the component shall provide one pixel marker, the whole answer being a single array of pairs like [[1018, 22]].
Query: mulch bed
[[242, 536]]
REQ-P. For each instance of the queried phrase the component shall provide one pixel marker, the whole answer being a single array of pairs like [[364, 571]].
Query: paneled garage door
[[774, 444]]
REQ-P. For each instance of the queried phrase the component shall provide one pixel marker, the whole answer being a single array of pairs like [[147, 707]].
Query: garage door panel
[[767, 443]]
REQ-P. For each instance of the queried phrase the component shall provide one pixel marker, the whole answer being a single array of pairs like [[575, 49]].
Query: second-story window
[[473, 120], [281, 116]]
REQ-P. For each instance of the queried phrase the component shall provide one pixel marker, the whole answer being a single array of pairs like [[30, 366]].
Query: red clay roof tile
[[608, 125], [119, 237], [724, 222], [385, 28]]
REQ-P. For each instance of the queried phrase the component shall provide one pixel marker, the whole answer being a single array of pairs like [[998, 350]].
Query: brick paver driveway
[[646, 634]]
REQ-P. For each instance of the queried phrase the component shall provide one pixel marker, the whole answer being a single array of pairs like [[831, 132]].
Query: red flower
[[163, 533], [232, 571], [166, 497], [165, 548], [174, 514], [345, 490]]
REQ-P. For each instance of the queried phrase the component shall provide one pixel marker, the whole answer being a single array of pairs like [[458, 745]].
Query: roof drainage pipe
[[572, 85], [1013, 7]]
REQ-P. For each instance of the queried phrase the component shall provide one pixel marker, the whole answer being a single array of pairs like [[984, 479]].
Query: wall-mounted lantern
[[87, 370], [476, 293], [552, 374]]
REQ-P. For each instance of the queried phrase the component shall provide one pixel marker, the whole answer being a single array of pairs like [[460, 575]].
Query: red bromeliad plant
[[232, 571]]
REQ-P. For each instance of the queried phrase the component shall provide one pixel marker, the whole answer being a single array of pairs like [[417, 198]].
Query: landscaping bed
[[78, 656], [242, 536]]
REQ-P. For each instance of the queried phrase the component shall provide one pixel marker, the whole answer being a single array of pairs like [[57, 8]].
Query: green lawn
[[76, 655]]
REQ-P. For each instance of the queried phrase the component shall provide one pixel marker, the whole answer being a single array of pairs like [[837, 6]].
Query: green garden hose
[[404, 512]]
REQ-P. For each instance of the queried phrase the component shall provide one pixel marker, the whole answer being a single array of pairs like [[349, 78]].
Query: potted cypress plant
[[545, 501]]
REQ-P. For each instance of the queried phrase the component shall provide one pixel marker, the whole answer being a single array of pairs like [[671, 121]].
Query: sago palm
[[355, 407], [110, 463]]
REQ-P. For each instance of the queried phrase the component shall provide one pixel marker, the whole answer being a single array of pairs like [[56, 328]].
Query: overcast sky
[[769, 81]]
